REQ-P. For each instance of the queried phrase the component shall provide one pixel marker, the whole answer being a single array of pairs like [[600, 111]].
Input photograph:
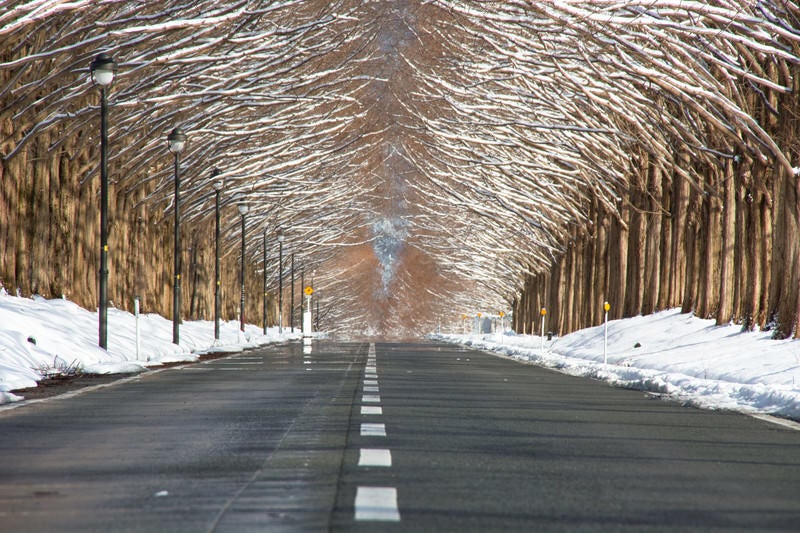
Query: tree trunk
[[651, 273], [636, 255], [727, 252], [618, 238]]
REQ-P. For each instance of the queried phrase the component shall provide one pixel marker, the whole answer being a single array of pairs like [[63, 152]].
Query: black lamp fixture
[[291, 302], [264, 299], [103, 69], [177, 143], [243, 210], [217, 184], [281, 238]]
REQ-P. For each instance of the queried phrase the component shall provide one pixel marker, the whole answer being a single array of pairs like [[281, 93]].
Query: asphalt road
[[247, 443], [387, 437]]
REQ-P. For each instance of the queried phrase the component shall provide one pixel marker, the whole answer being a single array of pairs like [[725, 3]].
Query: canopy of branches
[[457, 141]]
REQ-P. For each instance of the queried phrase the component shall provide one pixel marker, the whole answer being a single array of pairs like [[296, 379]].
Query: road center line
[[377, 504], [370, 398], [371, 410], [373, 430], [375, 457]]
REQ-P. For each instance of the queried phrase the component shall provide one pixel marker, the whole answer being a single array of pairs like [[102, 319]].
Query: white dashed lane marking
[[377, 503], [373, 430], [374, 503], [375, 457]]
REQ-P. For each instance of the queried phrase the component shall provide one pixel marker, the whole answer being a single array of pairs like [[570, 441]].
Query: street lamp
[[264, 301], [280, 280], [302, 287], [291, 309], [177, 142], [243, 209], [311, 309], [103, 69], [218, 184]]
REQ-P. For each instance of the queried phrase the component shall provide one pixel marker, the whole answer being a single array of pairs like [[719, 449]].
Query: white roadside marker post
[[307, 327], [606, 307], [544, 314], [136, 314]]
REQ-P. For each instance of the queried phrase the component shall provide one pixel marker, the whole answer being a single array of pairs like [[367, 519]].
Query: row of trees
[[451, 155], [253, 84], [728, 253], [664, 177], [715, 233]]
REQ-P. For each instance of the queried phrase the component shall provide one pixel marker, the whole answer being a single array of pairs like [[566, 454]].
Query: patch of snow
[[40, 336], [687, 358]]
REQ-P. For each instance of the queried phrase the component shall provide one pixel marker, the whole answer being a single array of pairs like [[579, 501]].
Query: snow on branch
[[488, 125]]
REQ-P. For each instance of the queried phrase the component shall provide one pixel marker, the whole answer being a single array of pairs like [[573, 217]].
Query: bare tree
[[429, 158]]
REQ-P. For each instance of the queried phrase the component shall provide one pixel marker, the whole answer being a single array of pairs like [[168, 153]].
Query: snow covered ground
[[689, 359], [39, 336]]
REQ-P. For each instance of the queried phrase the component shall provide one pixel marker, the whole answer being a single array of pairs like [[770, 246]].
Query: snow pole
[[543, 313], [136, 314], [606, 307], [307, 325], [502, 330]]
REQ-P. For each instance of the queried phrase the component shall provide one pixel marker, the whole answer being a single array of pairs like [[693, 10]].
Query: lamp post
[[280, 280], [311, 302], [264, 299], [103, 69], [243, 209], [217, 184], [291, 309], [302, 287], [177, 142]]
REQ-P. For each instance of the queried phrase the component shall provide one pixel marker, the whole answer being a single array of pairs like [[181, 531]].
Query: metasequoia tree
[[244, 79], [653, 118], [423, 159]]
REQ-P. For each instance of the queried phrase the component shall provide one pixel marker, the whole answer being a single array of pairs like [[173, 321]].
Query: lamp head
[[176, 140], [217, 183], [103, 69]]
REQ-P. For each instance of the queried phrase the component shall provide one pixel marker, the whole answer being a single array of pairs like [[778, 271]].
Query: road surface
[[387, 437]]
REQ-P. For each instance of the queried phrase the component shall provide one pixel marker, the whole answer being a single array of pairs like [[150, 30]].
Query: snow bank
[[687, 358], [39, 336]]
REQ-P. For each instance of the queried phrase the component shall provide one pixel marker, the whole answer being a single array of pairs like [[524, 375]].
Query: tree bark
[[727, 252]]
